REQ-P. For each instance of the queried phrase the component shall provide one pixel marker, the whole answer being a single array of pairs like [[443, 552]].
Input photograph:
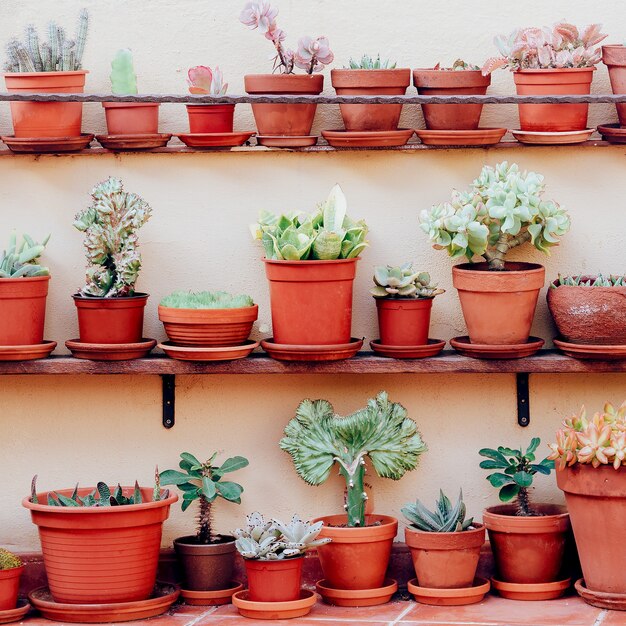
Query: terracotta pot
[[111, 320], [311, 301], [404, 321], [614, 57], [451, 83], [100, 555], [274, 610], [528, 549], [356, 558], [9, 587], [23, 310], [596, 499], [358, 117], [208, 327], [284, 119], [553, 82], [211, 118], [357, 597], [445, 560], [132, 118], [589, 315], [46, 119], [206, 567], [498, 306], [458, 596], [274, 581]]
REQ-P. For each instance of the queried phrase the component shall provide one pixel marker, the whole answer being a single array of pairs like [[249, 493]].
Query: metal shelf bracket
[[523, 399], [169, 399]]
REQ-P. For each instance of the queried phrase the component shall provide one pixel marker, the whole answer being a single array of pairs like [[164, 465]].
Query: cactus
[[206, 300], [369, 63], [402, 282], [444, 519], [589, 281], [8, 560], [20, 259], [123, 79]]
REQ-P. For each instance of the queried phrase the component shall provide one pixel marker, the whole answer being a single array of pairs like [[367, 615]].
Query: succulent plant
[[8, 560], [206, 300], [402, 282], [110, 225], [123, 79], [20, 259], [202, 79], [444, 519], [369, 63], [458, 66], [589, 281]]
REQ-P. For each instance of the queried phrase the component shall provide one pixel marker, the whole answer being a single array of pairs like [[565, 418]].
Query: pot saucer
[[484, 351], [211, 598], [288, 352], [109, 351], [215, 140], [432, 348], [592, 351], [552, 139], [367, 139], [16, 614], [133, 142], [47, 144], [274, 610], [227, 353], [601, 599], [538, 591], [27, 353], [163, 596], [450, 597], [286, 141], [357, 597], [478, 137], [614, 133]]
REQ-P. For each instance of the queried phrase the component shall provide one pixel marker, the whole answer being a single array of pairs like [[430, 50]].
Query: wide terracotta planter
[[46, 119], [284, 119], [110, 320], [9, 587], [211, 118], [356, 558], [206, 567], [570, 81], [498, 306], [596, 500], [445, 560], [614, 57], [208, 327], [274, 581], [377, 117], [311, 301], [23, 310], [451, 83], [100, 555], [404, 321], [132, 118], [528, 550]]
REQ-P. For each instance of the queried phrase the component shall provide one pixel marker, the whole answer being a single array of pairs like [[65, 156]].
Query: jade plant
[[206, 300], [21, 258], [589, 281], [444, 519], [203, 80], [8, 560], [369, 63], [517, 475], [123, 78], [110, 225], [503, 209], [316, 439], [402, 282]]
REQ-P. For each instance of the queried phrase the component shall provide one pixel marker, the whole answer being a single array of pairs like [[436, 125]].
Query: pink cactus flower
[[313, 54], [259, 14]]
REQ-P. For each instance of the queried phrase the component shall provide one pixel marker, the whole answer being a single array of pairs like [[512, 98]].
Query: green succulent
[[369, 63], [206, 300], [20, 259], [402, 282], [8, 560], [589, 281], [123, 79], [444, 519], [458, 66]]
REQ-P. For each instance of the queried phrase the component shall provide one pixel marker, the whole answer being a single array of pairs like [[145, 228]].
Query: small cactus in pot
[[11, 568]]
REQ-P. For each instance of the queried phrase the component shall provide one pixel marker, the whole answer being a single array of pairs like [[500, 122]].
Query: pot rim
[[514, 524], [29, 279], [346, 70], [473, 537], [386, 530], [273, 562], [585, 277], [12, 572], [121, 105], [309, 261], [556, 70], [217, 311], [483, 269], [181, 541], [33, 74], [137, 296]]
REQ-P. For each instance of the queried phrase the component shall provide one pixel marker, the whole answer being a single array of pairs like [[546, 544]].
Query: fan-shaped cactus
[[8, 560], [444, 519], [20, 259]]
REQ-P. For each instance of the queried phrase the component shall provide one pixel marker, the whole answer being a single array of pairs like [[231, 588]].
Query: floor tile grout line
[[600, 619], [404, 613], [200, 617]]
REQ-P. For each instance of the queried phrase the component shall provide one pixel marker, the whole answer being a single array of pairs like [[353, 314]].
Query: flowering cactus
[[202, 79]]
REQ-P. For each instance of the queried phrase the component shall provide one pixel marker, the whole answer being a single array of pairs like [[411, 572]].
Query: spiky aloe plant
[[316, 438], [444, 519]]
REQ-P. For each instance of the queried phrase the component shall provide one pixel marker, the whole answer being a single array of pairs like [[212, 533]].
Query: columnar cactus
[[123, 79]]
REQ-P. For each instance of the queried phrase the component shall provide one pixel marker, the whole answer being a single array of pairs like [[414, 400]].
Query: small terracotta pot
[[614, 57], [23, 310], [498, 306], [211, 118], [450, 83], [132, 118], [528, 549], [356, 558], [9, 587], [207, 567], [457, 596], [284, 119], [445, 560], [357, 597], [404, 321], [274, 610], [359, 117], [111, 320], [274, 581], [571, 81]]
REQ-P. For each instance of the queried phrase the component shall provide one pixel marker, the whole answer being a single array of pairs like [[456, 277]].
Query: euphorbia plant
[[204, 80]]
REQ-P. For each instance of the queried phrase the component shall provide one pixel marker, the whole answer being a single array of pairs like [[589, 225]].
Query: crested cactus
[[20, 259], [402, 282], [206, 300], [123, 79], [444, 519], [8, 560]]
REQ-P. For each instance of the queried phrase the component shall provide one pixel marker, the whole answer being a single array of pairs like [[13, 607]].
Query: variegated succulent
[[589, 281], [368, 62], [444, 519], [204, 80], [402, 282], [21, 259]]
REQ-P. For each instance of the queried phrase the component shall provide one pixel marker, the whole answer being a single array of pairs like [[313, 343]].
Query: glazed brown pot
[[450, 83], [356, 558], [364, 117], [284, 119], [132, 118], [9, 587], [211, 118], [207, 567], [23, 310], [274, 581], [445, 560], [614, 57], [498, 306], [528, 550], [404, 321]]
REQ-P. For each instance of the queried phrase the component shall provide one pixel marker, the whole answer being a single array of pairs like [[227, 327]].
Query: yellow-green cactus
[[8, 560]]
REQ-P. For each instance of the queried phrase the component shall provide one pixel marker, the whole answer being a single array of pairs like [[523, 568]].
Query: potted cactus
[[614, 57], [11, 569], [209, 118]]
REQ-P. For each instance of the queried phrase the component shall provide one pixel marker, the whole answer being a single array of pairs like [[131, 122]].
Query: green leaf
[[490, 464], [541, 469], [495, 455], [65, 501], [173, 477], [190, 458], [233, 464], [534, 444], [498, 479], [186, 504], [508, 492], [523, 479], [230, 491], [208, 488]]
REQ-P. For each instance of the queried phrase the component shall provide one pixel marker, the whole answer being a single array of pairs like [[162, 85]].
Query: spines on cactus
[[8, 560]]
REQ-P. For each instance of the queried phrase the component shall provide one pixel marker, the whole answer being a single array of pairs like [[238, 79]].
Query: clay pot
[[528, 549], [46, 119], [571, 81], [207, 567], [132, 118], [404, 321], [359, 117], [451, 83], [457, 596], [274, 581], [208, 327], [23, 310], [357, 597], [111, 320], [211, 118], [311, 301], [498, 306], [99, 555], [356, 558], [274, 610], [9, 587], [284, 119], [596, 499], [589, 315], [445, 560], [614, 57]]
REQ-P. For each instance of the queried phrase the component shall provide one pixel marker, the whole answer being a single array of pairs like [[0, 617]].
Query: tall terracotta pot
[[132, 118], [23, 310], [274, 581], [9, 587], [207, 567], [404, 321], [211, 118], [614, 57]]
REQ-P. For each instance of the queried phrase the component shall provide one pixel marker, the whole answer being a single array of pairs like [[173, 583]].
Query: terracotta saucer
[[601, 599], [211, 598], [432, 348], [613, 133], [228, 353], [133, 142], [110, 351], [286, 141], [47, 144], [357, 597], [450, 597], [163, 596], [367, 139], [483, 351], [478, 137], [538, 591], [287, 352], [215, 140], [274, 610], [552, 139], [27, 353], [14, 615], [591, 351]]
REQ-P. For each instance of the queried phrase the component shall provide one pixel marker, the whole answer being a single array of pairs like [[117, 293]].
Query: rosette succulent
[[444, 519], [402, 282], [589, 281], [369, 63], [204, 80]]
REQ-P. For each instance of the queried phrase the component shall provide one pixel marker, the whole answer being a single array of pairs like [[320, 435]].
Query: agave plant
[[402, 282], [202, 79], [369, 63], [21, 259], [589, 281], [444, 519]]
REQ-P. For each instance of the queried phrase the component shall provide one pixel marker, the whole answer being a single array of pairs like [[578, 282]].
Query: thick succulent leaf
[[497, 479], [233, 464], [173, 477], [229, 490], [523, 479], [508, 492], [495, 455]]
